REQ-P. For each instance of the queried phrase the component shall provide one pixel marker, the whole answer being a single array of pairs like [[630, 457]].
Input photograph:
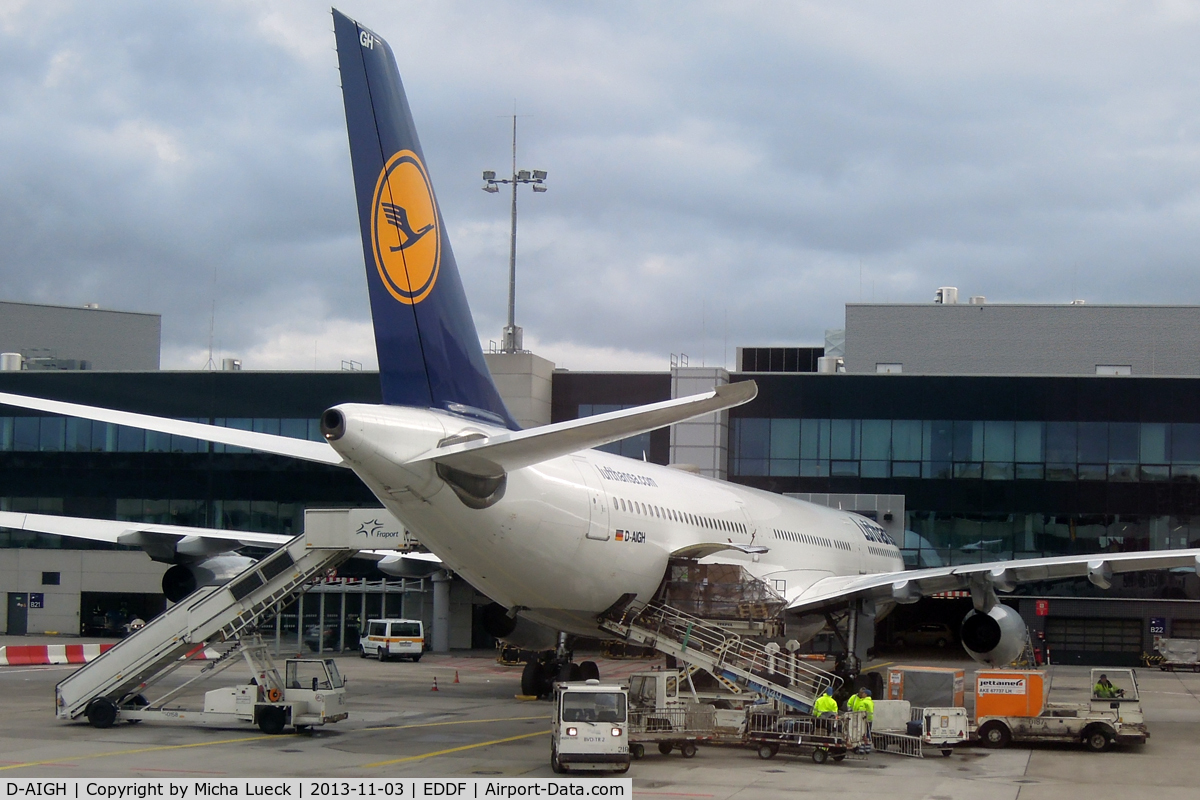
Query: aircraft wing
[[512, 450], [908, 586], [265, 442]]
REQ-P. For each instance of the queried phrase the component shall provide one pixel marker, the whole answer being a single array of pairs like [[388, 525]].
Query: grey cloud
[[704, 159]]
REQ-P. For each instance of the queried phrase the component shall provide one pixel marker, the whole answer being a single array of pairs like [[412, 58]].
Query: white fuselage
[[572, 534]]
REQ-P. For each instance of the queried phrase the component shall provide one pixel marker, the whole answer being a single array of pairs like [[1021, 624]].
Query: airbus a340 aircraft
[[555, 532]]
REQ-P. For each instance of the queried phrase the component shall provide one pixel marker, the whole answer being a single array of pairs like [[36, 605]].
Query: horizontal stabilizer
[[509, 451], [302, 449], [132, 533]]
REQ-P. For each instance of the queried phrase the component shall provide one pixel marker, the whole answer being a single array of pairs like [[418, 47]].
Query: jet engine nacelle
[[520, 633], [183, 579], [995, 638]]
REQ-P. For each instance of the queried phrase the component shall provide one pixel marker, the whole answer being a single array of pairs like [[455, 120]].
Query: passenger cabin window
[[377, 629]]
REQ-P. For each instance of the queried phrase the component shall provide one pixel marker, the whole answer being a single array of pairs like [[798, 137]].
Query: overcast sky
[[720, 174]]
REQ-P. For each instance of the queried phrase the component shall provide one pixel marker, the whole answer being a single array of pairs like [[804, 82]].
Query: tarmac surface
[[476, 728]]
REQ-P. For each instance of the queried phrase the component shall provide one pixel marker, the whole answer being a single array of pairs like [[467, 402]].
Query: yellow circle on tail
[[405, 232]]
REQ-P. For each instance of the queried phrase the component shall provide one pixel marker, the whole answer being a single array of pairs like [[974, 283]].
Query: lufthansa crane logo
[[404, 229]]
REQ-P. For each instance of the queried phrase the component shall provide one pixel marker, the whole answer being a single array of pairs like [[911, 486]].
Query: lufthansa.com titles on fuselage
[[419, 788]]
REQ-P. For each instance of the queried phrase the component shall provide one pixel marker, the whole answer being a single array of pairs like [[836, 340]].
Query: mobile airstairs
[[737, 662], [222, 616]]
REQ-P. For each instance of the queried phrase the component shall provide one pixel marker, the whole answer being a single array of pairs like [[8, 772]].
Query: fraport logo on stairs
[[375, 528]]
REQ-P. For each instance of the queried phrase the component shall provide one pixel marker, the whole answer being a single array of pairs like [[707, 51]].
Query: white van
[[384, 638]]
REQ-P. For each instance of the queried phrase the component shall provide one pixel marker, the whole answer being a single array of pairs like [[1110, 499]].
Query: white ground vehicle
[[589, 729], [1010, 706], [311, 692], [393, 638]]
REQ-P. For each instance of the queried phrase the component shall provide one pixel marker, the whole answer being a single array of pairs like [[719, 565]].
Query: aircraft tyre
[[995, 734], [537, 677], [589, 670], [271, 720], [102, 712], [569, 671]]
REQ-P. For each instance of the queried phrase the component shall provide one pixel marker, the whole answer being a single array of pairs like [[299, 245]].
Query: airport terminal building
[[973, 432]]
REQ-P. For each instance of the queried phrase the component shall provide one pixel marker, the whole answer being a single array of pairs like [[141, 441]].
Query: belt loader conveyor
[[731, 659], [210, 614]]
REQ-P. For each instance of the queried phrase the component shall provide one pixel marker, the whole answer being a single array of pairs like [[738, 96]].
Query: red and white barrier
[[32, 655], [38, 654]]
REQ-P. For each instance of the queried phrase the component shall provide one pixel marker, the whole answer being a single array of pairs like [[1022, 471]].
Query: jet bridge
[[698, 642], [210, 615]]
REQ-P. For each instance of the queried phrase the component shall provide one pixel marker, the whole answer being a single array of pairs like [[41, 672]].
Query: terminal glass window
[[992, 450]]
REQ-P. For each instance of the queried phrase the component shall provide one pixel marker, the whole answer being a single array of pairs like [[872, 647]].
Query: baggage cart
[[678, 728], [823, 738]]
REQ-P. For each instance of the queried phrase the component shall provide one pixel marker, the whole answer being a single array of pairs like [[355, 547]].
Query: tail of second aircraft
[[429, 353]]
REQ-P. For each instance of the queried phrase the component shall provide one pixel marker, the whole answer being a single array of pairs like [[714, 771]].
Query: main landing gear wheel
[[271, 720], [569, 671], [589, 671], [995, 735], [687, 750], [102, 712]]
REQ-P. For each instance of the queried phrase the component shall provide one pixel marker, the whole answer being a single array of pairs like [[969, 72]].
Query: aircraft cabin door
[[598, 501]]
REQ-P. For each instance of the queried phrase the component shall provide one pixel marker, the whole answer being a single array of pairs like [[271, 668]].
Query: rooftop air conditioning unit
[[946, 295]]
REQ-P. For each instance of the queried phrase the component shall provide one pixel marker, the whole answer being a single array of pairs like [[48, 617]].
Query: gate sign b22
[[1158, 626]]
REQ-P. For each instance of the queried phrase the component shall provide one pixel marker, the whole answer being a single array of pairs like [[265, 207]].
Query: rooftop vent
[[231, 364], [978, 300], [946, 295]]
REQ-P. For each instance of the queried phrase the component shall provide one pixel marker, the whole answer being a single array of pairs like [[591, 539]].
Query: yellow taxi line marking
[[135, 751], [452, 722], [880, 665], [453, 750]]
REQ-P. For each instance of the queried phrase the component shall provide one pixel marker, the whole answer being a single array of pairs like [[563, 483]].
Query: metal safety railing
[[773, 673]]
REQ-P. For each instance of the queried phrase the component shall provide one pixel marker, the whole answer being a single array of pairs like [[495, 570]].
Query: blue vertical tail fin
[[429, 353]]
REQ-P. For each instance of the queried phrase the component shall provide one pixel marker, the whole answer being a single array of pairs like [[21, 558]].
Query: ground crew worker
[[1104, 688], [825, 705], [863, 702]]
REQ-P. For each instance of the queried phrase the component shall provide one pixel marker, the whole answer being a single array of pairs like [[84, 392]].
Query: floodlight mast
[[491, 184]]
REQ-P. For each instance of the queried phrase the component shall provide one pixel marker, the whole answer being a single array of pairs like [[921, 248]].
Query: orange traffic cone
[[456, 676], [435, 688]]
